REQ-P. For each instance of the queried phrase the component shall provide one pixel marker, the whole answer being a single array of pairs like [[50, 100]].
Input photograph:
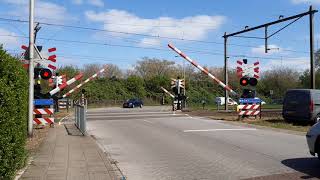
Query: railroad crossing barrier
[[84, 82], [205, 71], [81, 117]]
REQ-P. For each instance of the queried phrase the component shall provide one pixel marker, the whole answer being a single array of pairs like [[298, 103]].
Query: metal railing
[[81, 117]]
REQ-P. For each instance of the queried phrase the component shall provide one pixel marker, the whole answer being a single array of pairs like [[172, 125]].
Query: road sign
[[249, 100], [39, 58], [248, 70], [43, 102]]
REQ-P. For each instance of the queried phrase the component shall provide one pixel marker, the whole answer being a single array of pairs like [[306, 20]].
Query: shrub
[[13, 115]]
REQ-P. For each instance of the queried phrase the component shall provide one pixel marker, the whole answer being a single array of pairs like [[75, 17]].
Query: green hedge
[[13, 115]]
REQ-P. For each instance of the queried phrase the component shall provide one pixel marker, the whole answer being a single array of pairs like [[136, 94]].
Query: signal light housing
[[44, 73], [253, 81], [244, 81]]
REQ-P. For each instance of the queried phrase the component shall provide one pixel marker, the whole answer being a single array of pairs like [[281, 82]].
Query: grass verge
[[281, 124], [269, 119]]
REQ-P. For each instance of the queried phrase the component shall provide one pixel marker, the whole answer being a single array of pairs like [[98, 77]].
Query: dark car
[[302, 105], [132, 103]]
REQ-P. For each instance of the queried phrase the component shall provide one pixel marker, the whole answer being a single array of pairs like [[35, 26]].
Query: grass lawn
[[281, 124], [272, 106]]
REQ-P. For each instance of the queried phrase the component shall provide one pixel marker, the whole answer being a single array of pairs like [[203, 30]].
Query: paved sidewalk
[[66, 157]]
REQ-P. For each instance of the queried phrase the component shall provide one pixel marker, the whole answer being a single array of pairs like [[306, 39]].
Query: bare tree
[[148, 68], [90, 69], [112, 71]]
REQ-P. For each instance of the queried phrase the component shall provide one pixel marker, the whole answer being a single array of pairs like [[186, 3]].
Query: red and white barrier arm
[[166, 91], [84, 82], [64, 85], [194, 63]]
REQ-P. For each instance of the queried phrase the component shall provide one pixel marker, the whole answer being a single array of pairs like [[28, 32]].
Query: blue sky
[[204, 21]]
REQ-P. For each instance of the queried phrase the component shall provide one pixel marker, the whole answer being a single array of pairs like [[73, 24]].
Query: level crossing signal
[[177, 85], [249, 75]]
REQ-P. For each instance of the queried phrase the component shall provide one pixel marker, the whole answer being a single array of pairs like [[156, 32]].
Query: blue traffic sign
[[249, 100], [43, 102]]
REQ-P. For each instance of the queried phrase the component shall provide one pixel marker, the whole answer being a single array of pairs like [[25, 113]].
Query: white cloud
[[8, 41], [305, 1], [260, 50], [299, 63], [53, 13], [98, 3], [150, 42], [193, 27]]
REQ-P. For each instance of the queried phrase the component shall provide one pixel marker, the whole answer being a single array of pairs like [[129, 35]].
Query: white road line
[[126, 116], [129, 112], [148, 121], [188, 115], [207, 130]]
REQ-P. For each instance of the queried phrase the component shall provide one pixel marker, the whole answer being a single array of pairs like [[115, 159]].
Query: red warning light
[[243, 81], [45, 74]]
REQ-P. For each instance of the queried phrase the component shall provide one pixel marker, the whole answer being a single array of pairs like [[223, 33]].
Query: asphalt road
[[152, 143]]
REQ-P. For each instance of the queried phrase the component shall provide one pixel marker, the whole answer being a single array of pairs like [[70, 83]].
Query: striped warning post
[[43, 120], [47, 111], [84, 82], [249, 109], [249, 113], [194, 63], [249, 106], [64, 85]]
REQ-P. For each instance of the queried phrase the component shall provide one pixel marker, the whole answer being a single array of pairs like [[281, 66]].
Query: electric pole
[[226, 80], [31, 68], [312, 74]]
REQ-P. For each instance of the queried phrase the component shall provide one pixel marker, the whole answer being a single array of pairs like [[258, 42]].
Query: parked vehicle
[[132, 103], [221, 101], [313, 139], [302, 105]]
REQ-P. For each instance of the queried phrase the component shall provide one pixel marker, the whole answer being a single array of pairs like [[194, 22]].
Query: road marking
[[188, 115], [148, 121], [60, 122], [125, 116], [128, 112], [207, 130]]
